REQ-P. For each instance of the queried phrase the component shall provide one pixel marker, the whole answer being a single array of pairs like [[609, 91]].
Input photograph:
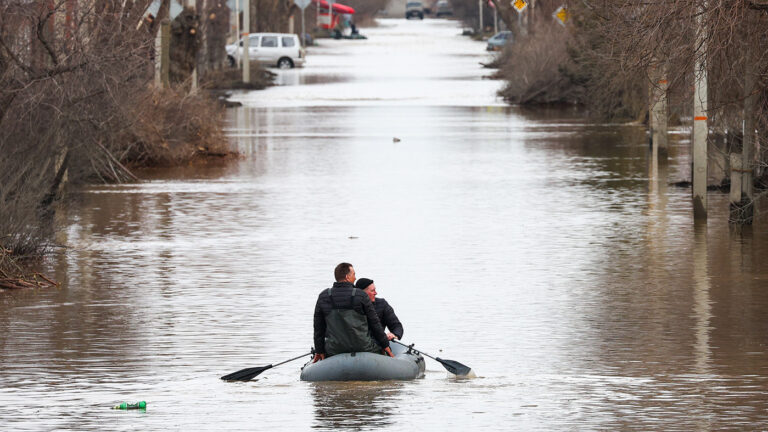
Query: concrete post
[[748, 147], [193, 88], [480, 15], [192, 4], [237, 29], [163, 55], [742, 176], [303, 28], [735, 195], [700, 128], [246, 41], [659, 110]]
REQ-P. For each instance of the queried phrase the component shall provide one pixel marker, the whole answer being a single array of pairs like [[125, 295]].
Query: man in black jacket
[[384, 311], [345, 320]]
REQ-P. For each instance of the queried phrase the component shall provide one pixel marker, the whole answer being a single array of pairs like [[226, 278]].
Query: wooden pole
[[700, 128]]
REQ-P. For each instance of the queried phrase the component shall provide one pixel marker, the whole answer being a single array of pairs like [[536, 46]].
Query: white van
[[270, 49]]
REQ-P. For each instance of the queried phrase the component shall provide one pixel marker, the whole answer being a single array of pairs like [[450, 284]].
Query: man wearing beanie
[[345, 320], [385, 312]]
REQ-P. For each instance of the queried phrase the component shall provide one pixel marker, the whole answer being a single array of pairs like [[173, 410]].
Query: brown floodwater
[[544, 251]]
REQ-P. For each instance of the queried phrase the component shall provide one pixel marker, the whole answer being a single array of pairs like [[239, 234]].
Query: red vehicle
[[337, 10]]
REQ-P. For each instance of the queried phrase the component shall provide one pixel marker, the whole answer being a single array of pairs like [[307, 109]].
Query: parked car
[[443, 8], [270, 49], [497, 41], [414, 9]]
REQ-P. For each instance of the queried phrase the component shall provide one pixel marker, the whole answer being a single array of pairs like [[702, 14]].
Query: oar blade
[[455, 367], [246, 374]]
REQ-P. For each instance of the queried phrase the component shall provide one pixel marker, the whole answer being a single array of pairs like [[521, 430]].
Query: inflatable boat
[[405, 365]]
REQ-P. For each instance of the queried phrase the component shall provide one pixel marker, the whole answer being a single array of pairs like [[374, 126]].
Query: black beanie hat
[[363, 283]]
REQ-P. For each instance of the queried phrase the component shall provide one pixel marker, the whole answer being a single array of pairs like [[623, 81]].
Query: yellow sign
[[519, 5], [561, 15]]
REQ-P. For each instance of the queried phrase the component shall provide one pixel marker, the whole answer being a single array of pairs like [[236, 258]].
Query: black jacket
[[342, 296], [387, 317]]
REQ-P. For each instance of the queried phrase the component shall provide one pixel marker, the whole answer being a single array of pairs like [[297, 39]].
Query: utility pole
[[700, 128], [246, 40]]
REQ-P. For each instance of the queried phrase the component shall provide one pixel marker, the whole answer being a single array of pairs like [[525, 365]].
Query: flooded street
[[544, 251]]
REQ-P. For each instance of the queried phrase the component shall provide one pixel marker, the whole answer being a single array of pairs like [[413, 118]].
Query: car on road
[[497, 41], [270, 49], [414, 9], [443, 8]]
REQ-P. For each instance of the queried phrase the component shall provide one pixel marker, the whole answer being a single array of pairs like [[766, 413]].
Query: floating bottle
[[128, 406]]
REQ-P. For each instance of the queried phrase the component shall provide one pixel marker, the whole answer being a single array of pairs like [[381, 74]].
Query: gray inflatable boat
[[406, 365]]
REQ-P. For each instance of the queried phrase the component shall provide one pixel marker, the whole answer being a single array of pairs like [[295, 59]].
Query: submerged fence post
[[700, 128]]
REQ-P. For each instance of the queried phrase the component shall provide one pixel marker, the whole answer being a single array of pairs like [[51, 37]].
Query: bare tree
[[76, 102]]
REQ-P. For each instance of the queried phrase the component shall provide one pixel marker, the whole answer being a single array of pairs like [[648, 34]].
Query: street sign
[[302, 4], [519, 5], [561, 15]]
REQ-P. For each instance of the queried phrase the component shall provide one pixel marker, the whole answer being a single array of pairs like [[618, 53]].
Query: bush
[[533, 68], [232, 78]]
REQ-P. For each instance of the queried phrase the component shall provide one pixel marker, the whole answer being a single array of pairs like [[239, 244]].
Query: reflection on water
[[358, 405], [546, 252]]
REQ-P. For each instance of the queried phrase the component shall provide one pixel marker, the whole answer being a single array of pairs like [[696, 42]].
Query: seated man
[[383, 309], [345, 320]]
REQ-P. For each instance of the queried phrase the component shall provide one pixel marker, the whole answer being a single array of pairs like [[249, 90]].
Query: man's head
[[344, 272], [368, 286]]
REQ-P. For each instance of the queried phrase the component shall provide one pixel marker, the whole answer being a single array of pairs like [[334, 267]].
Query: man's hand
[[388, 352], [318, 357], [391, 336]]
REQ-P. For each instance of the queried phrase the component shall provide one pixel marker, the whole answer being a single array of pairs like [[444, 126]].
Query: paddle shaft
[[290, 360], [418, 351], [451, 365], [248, 374]]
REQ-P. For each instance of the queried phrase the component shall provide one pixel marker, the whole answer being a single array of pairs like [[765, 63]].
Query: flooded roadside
[[545, 252]]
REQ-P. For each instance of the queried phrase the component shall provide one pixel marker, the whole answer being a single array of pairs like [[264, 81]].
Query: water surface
[[544, 251]]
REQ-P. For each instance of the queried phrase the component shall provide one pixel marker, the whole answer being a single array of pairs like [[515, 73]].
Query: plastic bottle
[[128, 406]]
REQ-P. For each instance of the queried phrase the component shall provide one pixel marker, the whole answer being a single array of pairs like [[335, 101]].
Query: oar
[[451, 366], [248, 374]]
